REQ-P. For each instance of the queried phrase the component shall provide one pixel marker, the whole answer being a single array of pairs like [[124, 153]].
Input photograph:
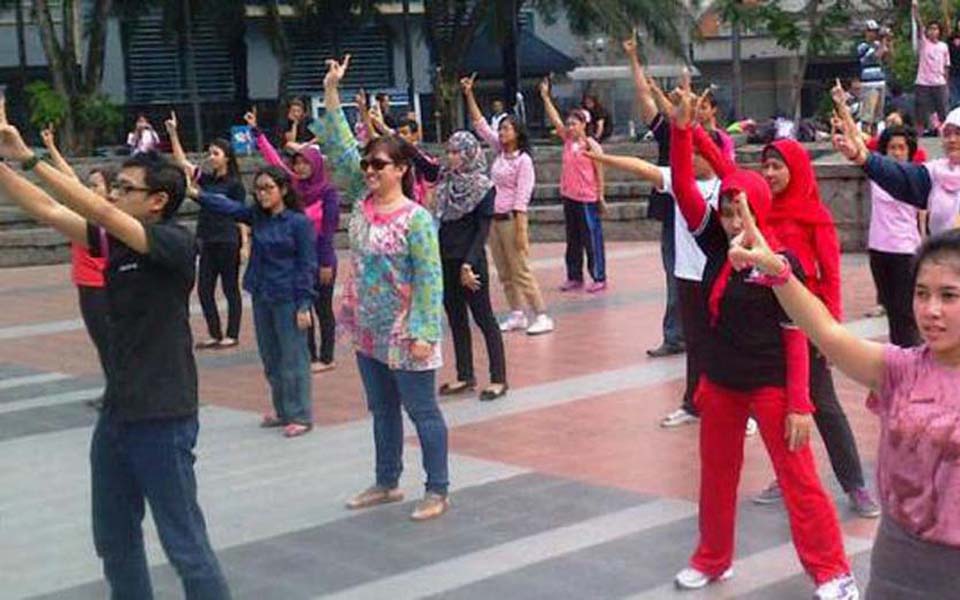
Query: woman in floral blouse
[[392, 303]]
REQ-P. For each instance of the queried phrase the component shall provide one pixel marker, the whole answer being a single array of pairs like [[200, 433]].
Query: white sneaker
[[751, 427], [677, 418], [542, 324], [838, 588], [692, 579], [516, 320]]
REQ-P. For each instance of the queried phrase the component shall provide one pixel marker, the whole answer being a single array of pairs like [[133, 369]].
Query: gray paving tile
[[45, 419], [49, 388], [8, 370], [379, 543], [630, 564]]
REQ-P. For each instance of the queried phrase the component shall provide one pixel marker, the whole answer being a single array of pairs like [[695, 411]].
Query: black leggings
[[220, 260], [456, 299], [95, 312], [833, 425], [696, 328], [327, 322], [893, 276]]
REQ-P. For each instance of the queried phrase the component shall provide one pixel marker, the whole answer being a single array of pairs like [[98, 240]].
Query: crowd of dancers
[[752, 262]]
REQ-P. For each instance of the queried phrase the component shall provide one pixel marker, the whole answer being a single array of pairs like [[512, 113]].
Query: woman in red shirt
[[804, 226], [89, 261]]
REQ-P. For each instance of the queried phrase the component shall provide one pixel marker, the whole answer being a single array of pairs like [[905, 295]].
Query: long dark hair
[[523, 139], [291, 200], [233, 169], [398, 151]]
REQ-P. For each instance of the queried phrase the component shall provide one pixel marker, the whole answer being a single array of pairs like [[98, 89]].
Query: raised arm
[[553, 115], [689, 199], [337, 142], [664, 106], [49, 141], [861, 360], [267, 151], [223, 205], [466, 84], [644, 170], [179, 156], [915, 10], [35, 202]]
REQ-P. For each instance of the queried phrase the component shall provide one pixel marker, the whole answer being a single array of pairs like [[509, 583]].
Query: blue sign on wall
[[242, 139]]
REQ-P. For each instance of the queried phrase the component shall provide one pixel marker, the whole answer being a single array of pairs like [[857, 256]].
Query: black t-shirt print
[[153, 372]]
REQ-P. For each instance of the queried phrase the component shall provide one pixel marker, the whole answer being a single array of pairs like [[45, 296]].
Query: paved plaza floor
[[567, 488]]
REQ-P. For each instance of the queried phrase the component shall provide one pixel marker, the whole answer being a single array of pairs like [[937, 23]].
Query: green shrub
[[46, 105]]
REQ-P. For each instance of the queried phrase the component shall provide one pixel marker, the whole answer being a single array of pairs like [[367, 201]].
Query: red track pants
[[813, 519]]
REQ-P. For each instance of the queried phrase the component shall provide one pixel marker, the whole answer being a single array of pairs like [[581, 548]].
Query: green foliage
[[903, 63], [46, 105], [99, 114]]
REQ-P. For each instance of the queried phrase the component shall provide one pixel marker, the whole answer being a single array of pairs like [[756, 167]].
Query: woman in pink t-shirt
[[581, 188], [916, 394]]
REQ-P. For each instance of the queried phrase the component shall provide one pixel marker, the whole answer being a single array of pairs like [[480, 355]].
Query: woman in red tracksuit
[[756, 363], [803, 224]]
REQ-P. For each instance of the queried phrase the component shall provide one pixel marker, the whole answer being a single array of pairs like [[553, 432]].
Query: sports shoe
[[570, 285], [542, 324], [771, 495], [863, 503], [596, 286], [432, 506], [843, 587], [751, 427], [516, 320], [692, 579], [677, 418], [374, 495]]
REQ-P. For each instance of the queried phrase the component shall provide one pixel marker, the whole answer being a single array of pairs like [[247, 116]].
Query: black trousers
[[584, 230], [327, 323], [893, 276], [696, 328], [833, 425], [95, 312], [456, 300], [220, 260]]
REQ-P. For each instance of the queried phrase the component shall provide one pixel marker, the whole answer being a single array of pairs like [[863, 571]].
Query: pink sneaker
[[570, 285], [596, 286]]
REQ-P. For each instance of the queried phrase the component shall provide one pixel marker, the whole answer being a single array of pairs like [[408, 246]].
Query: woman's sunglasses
[[378, 164]]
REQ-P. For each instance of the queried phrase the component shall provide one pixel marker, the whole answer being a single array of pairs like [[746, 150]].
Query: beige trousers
[[513, 268]]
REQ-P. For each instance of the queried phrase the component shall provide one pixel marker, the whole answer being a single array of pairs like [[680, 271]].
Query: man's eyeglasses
[[378, 164], [125, 188]]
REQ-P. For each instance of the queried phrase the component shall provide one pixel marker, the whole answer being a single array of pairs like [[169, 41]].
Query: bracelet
[[775, 280], [30, 163]]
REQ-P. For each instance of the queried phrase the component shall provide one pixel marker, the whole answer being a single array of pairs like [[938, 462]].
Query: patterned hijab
[[461, 190]]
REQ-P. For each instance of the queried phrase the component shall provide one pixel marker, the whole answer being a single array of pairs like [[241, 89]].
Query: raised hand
[[171, 124], [47, 136], [750, 248], [11, 143], [250, 117], [630, 45], [544, 87], [336, 70], [466, 83], [839, 96]]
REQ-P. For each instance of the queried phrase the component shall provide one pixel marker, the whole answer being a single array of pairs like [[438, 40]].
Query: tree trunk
[[96, 49], [60, 71], [810, 11]]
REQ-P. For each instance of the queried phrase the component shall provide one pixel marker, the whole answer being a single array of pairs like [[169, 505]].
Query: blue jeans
[[672, 326], [152, 461], [386, 390], [286, 359]]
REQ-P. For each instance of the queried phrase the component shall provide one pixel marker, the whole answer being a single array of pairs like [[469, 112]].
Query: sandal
[[320, 367], [457, 387], [208, 344], [228, 343], [268, 421], [297, 429]]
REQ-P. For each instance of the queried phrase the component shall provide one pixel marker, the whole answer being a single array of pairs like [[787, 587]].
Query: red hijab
[[800, 202], [760, 199]]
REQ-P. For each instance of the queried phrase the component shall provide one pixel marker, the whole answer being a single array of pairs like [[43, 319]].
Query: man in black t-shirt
[[142, 448]]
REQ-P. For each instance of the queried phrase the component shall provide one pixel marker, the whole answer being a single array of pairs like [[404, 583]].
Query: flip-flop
[[207, 344], [269, 421], [228, 343]]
